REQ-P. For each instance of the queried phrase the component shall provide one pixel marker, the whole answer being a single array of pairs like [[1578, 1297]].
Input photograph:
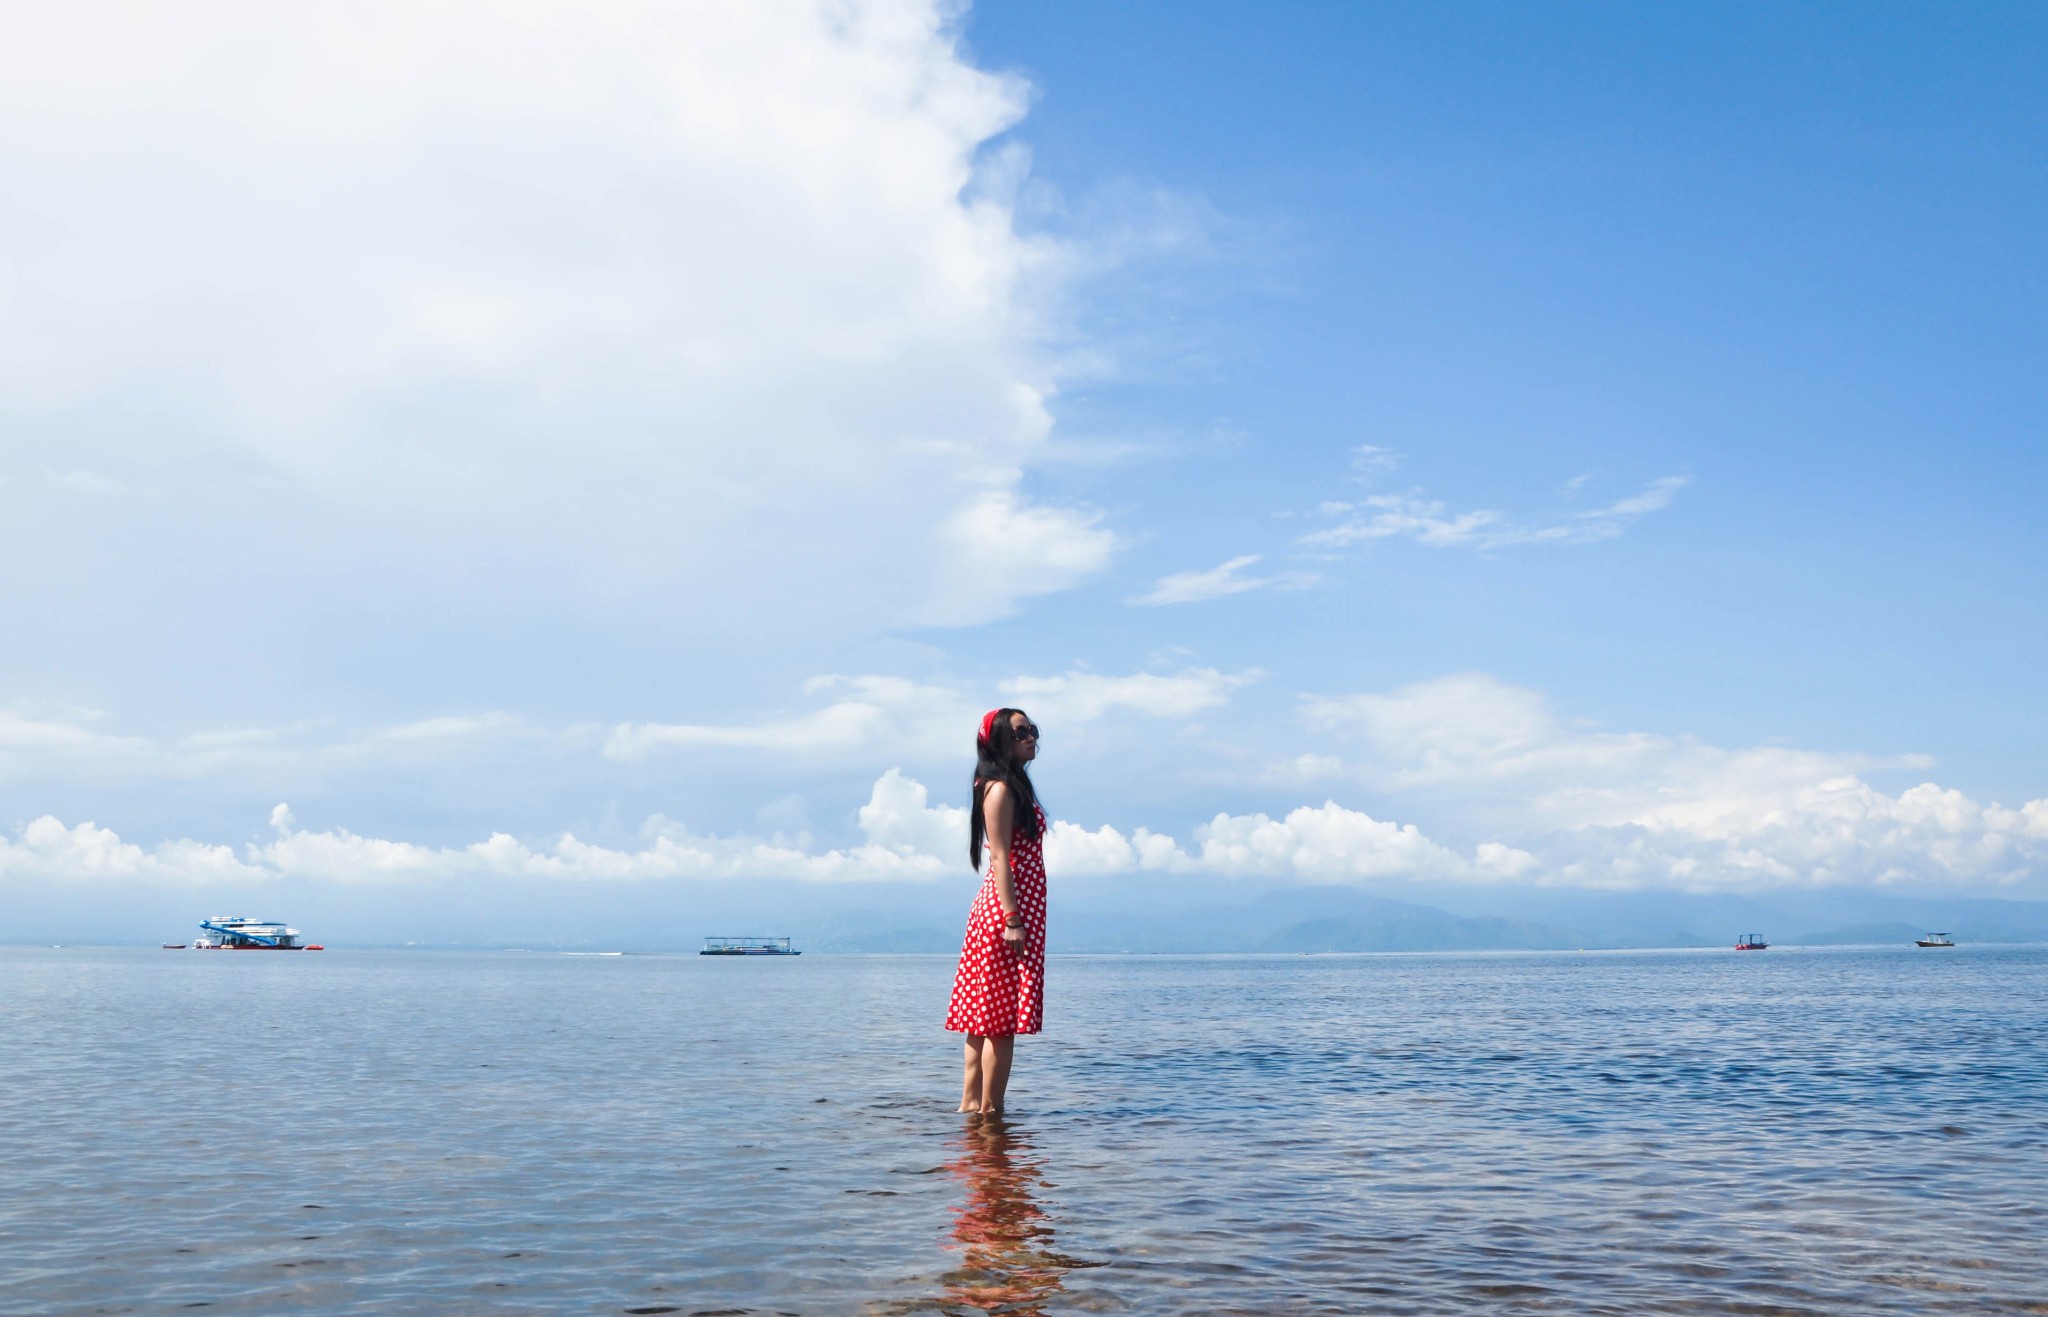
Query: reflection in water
[[1005, 1237]]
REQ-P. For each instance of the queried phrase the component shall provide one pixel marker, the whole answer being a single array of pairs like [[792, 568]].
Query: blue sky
[[1487, 445], [1790, 253]]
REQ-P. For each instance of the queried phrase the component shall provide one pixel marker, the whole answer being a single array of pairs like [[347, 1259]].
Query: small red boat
[[1751, 942]]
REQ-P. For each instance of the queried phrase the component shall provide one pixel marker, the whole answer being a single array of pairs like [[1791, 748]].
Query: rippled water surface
[[402, 1132]]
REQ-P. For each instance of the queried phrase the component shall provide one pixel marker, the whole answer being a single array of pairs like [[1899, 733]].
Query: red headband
[[988, 726]]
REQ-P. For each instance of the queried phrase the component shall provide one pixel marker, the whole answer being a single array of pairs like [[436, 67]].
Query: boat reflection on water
[[1007, 1261]]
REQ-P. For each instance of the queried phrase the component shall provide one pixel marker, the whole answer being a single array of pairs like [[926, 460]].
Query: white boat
[[1936, 940], [237, 933]]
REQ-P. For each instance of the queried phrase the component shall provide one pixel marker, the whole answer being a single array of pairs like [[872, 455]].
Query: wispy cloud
[[1369, 462], [1656, 496], [1194, 587], [83, 482], [900, 719], [1428, 521], [72, 747], [1084, 697]]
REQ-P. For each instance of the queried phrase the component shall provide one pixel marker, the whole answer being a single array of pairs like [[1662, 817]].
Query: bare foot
[[968, 1108]]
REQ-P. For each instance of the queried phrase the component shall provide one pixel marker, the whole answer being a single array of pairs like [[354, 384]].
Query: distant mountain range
[[1336, 919]]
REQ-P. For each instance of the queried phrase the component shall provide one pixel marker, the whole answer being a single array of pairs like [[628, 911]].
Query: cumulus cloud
[[1328, 843], [1834, 833], [46, 849], [1630, 809], [721, 304], [905, 838], [899, 815]]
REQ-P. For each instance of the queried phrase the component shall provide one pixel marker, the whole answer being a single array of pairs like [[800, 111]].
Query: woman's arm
[[999, 812]]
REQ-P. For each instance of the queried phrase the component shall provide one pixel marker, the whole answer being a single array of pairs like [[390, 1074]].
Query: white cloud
[[21, 733], [1467, 727], [710, 304], [1073, 849], [1428, 521], [83, 482], [1370, 461], [45, 849], [1837, 832], [1196, 586], [1655, 497], [72, 748], [1503, 861], [884, 715], [1409, 516], [891, 717], [1598, 808], [899, 815], [1084, 697], [869, 717], [996, 550], [448, 727], [906, 840], [1474, 732], [1324, 844]]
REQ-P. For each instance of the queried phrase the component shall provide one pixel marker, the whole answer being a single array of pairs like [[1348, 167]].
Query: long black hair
[[995, 761]]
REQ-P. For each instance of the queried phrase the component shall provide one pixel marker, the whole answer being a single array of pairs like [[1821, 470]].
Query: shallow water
[[1784, 1132]]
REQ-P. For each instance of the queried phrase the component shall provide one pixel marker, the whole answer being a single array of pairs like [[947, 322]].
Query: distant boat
[[1751, 942], [748, 946], [1936, 940]]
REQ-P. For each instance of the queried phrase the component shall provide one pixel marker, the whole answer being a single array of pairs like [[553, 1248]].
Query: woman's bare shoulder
[[994, 792]]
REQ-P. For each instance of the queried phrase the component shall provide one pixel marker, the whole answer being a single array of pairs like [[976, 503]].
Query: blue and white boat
[[238, 933]]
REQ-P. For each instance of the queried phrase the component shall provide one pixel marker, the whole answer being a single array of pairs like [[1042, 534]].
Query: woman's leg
[[996, 1051], [970, 1085]]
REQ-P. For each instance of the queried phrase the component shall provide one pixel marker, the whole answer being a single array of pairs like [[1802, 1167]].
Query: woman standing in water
[[998, 990]]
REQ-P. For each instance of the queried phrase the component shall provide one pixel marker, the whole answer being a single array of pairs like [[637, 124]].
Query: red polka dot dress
[[1000, 986]]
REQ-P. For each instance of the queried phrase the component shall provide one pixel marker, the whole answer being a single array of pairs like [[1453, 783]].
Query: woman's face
[[1024, 746]]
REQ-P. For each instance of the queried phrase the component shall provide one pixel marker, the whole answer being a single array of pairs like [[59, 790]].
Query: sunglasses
[[1028, 729]]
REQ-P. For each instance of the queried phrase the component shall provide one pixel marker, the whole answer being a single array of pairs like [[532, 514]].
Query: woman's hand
[[1013, 933]]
